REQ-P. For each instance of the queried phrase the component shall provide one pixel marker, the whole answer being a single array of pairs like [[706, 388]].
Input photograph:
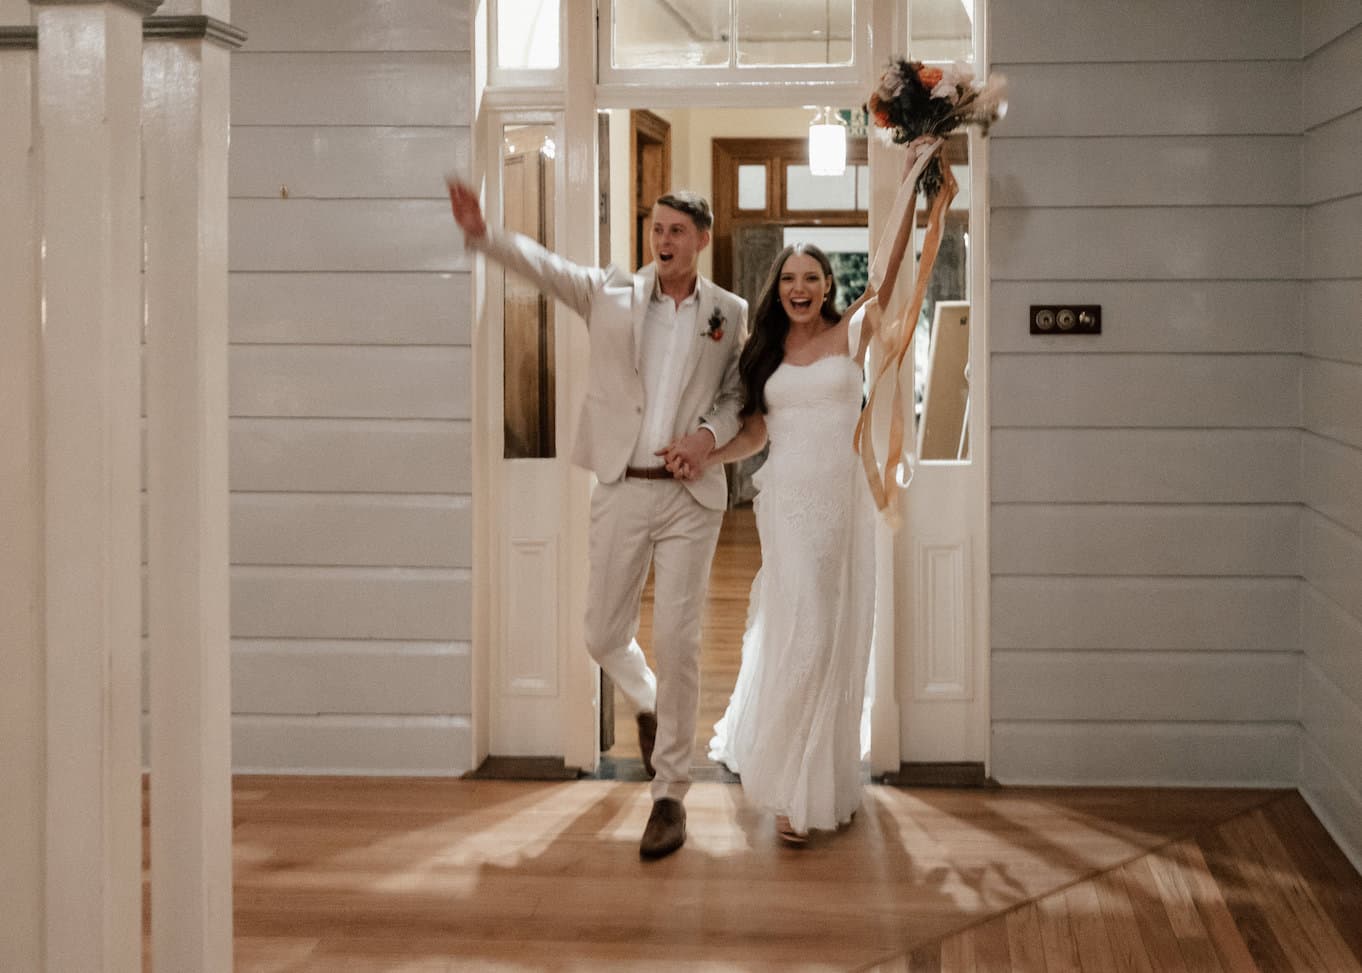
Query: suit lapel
[[703, 309], [645, 282]]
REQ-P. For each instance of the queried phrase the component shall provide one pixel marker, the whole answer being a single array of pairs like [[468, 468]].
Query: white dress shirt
[[668, 331]]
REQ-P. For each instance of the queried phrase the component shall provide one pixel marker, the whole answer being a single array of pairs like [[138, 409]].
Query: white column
[[89, 101], [186, 70], [22, 693], [581, 725]]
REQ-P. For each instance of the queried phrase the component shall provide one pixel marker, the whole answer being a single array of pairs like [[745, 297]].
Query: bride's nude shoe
[[786, 832]]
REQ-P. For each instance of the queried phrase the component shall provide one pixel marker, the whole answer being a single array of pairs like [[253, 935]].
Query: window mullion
[[732, 34]]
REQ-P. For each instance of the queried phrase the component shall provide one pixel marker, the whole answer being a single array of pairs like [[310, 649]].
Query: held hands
[[467, 211], [688, 457]]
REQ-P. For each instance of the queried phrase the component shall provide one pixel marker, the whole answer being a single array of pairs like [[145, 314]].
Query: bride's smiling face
[[803, 287]]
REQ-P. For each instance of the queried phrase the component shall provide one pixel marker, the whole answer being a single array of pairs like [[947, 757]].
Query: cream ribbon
[[893, 323]]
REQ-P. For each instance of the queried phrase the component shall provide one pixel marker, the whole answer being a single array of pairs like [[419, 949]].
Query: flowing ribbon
[[894, 323]]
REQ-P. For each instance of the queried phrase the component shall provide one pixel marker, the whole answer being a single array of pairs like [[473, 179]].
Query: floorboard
[[359, 874], [353, 875]]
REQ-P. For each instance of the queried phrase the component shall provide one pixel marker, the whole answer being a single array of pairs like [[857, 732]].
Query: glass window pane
[[528, 187], [940, 375], [961, 200], [941, 30], [527, 34], [752, 187], [670, 33], [794, 32], [805, 191]]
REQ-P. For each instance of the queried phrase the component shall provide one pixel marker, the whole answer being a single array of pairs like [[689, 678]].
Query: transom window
[[733, 41]]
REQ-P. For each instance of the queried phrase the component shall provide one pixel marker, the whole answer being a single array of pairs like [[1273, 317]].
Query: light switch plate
[[1066, 319]]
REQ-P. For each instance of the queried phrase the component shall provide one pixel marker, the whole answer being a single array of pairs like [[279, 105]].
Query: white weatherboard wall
[[351, 467], [1331, 454], [1146, 483]]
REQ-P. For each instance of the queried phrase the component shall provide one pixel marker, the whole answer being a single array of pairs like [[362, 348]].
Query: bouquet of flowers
[[913, 100], [917, 106]]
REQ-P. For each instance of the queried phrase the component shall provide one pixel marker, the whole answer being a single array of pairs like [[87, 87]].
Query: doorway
[[534, 686], [754, 218]]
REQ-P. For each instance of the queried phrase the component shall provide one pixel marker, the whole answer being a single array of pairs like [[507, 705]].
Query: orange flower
[[929, 76]]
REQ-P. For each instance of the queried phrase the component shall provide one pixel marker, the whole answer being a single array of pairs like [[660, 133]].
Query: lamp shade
[[827, 144]]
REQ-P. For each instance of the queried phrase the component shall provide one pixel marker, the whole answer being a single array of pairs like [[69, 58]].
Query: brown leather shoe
[[647, 737], [666, 830]]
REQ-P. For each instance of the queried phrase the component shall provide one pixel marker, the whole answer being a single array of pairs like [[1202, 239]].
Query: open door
[[941, 558]]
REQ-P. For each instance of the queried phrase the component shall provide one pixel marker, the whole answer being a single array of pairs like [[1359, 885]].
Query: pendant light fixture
[[827, 143]]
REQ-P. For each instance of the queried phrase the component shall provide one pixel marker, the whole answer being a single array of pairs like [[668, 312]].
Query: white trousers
[[635, 522]]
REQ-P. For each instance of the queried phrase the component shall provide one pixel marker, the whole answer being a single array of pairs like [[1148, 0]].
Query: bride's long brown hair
[[765, 348]]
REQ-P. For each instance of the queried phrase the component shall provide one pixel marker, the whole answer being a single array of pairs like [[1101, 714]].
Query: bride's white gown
[[793, 729]]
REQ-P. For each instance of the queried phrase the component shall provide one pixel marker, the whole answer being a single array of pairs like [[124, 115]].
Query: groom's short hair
[[692, 204]]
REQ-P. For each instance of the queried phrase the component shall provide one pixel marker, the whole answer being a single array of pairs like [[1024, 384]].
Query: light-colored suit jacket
[[613, 304]]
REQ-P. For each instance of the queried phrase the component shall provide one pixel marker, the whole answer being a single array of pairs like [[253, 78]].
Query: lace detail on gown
[[793, 728]]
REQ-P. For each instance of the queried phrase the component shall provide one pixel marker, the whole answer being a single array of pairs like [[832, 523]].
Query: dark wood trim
[[603, 186], [774, 153], [523, 768], [18, 38], [193, 28], [144, 7], [945, 774], [645, 128]]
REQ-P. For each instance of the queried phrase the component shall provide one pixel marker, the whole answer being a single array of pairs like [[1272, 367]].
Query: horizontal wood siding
[[1146, 534], [351, 467], [1331, 454]]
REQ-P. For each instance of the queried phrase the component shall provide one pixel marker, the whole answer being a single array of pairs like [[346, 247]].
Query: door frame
[[564, 491]]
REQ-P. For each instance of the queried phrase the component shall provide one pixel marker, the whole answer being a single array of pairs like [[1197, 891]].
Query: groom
[[663, 392]]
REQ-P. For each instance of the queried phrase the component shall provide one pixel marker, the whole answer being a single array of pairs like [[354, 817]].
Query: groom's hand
[[686, 456], [463, 201]]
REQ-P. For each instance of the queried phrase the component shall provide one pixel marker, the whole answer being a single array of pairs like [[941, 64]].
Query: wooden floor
[[351, 875], [363, 874], [736, 561]]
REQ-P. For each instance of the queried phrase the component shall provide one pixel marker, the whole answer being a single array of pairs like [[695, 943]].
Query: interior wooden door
[[528, 335], [650, 175]]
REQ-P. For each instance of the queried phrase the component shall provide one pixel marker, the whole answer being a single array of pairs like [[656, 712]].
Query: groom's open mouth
[[664, 257]]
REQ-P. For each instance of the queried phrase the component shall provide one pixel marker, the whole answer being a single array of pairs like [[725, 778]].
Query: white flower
[[958, 74], [885, 135], [991, 102], [891, 83], [946, 89]]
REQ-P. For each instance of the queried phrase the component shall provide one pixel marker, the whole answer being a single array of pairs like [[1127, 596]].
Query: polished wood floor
[[364, 874], [352, 875], [736, 561]]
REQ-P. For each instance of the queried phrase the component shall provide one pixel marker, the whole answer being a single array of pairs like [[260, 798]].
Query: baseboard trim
[[523, 768], [944, 774]]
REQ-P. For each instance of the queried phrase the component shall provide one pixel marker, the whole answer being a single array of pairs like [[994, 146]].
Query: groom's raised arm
[[569, 282]]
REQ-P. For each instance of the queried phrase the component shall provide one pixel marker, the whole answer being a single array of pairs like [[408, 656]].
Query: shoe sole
[[652, 854]]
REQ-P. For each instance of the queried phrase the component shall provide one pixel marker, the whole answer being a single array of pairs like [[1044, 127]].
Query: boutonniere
[[714, 330]]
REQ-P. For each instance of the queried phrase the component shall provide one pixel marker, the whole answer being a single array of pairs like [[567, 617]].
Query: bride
[[793, 728]]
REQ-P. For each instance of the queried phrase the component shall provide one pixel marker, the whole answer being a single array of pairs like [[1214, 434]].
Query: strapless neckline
[[816, 361]]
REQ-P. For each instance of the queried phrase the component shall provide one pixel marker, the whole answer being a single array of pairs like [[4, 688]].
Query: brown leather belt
[[648, 473]]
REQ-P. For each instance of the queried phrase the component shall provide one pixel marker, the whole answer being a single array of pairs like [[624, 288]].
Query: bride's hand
[[678, 466], [688, 456]]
